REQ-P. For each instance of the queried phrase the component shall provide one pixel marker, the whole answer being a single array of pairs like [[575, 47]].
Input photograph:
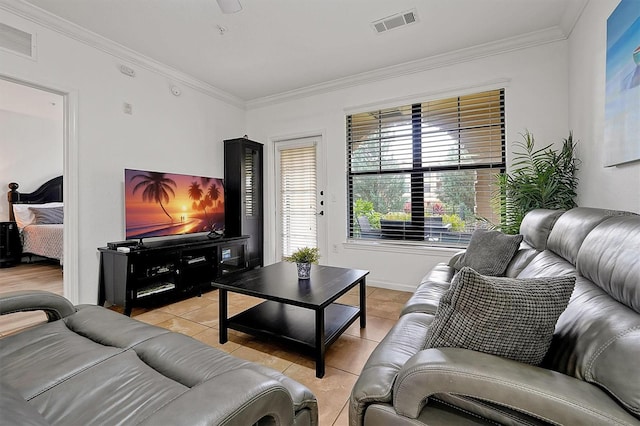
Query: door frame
[[71, 289], [321, 220]]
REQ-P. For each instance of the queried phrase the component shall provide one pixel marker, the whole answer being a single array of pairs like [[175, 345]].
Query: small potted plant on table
[[304, 257]]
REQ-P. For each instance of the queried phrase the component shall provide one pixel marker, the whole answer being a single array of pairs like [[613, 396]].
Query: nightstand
[[10, 247]]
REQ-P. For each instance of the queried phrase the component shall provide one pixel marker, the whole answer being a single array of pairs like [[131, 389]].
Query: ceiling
[[279, 46]]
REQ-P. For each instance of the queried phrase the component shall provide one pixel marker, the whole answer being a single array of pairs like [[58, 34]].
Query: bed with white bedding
[[39, 216], [43, 240]]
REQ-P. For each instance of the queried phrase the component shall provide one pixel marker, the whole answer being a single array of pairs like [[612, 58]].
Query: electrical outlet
[[127, 108], [335, 248]]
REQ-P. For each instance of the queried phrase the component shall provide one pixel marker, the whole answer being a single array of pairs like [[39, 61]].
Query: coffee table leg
[[222, 305], [363, 303], [320, 343]]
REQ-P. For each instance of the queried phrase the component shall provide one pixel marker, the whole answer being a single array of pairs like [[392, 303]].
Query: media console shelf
[[169, 269]]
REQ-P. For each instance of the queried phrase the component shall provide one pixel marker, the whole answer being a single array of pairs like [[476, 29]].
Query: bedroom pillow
[[23, 216], [489, 252], [507, 317], [47, 216]]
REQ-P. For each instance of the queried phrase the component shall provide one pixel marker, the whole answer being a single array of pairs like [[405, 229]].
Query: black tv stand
[[167, 270]]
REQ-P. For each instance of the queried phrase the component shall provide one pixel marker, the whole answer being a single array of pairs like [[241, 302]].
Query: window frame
[[419, 171]]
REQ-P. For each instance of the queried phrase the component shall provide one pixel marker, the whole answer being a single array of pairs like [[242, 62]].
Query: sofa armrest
[[242, 397], [537, 392], [454, 259], [55, 306]]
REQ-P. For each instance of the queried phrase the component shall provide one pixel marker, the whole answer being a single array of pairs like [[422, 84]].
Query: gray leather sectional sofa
[[92, 366], [591, 372]]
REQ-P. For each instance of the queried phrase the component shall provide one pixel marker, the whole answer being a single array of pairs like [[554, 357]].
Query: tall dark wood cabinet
[[243, 180]]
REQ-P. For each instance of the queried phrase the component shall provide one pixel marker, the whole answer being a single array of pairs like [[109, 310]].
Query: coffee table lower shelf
[[300, 326]]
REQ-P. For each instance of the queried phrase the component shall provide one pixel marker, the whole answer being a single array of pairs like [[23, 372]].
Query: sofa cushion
[[375, 383], [609, 258], [536, 227], [16, 411], [570, 230], [599, 333], [433, 285], [41, 358], [122, 390], [520, 260], [597, 339], [489, 252], [506, 317], [121, 332]]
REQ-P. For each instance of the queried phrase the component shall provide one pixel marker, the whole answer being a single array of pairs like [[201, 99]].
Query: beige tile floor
[[198, 317]]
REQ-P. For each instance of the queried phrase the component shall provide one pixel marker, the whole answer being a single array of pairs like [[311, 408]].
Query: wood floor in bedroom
[[198, 317], [25, 276]]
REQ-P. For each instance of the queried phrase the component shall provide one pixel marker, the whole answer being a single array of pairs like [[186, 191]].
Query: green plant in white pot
[[303, 258]]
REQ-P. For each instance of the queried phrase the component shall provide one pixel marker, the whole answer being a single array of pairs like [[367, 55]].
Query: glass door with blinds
[[298, 205]]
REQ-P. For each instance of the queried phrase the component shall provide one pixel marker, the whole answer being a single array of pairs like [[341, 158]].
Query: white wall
[[536, 99], [22, 135], [166, 133], [613, 187]]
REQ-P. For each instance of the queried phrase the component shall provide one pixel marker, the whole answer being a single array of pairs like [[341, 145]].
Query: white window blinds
[[424, 172], [298, 189]]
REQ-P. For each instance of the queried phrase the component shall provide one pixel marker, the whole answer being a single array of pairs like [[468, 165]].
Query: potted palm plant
[[539, 178], [303, 258]]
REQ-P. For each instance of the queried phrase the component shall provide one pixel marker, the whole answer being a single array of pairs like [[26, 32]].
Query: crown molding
[[55, 23], [571, 15], [71, 30], [536, 38]]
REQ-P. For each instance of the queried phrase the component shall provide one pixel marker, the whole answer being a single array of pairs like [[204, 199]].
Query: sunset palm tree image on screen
[[161, 204]]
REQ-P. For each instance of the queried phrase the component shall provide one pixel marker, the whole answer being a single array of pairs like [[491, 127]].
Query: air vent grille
[[395, 21], [16, 41]]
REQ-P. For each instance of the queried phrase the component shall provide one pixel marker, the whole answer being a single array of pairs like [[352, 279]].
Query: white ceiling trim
[[69, 29], [532, 39], [571, 16]]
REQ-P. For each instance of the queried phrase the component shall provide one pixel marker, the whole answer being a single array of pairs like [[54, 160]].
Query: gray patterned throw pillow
[[507, 317], [489, 252], [47, 216]]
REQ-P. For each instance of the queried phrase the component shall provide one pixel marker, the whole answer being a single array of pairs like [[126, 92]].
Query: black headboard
[[48, 192]]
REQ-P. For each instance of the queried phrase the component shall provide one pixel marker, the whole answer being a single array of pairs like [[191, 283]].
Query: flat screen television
[[162, 204]]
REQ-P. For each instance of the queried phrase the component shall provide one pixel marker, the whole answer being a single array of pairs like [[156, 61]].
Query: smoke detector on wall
[[397, 20]]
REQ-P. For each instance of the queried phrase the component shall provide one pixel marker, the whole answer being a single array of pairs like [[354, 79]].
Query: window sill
[[406, 247]]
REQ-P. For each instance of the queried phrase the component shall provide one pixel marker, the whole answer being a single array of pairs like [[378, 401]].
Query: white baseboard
[[391, 285]]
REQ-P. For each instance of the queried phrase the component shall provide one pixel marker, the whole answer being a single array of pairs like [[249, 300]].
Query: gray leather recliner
[[591, 374], [89, 365]]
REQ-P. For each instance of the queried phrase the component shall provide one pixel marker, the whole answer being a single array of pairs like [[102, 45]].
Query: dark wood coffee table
[[302, 312]]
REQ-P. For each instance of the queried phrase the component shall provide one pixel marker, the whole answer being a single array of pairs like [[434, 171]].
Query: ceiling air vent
[[17, 41], [395, 21]]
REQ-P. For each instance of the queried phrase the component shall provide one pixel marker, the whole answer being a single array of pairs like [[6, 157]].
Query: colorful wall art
[[622, 98]]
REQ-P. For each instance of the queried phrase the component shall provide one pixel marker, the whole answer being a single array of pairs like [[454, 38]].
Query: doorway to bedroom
[[32, 146]]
